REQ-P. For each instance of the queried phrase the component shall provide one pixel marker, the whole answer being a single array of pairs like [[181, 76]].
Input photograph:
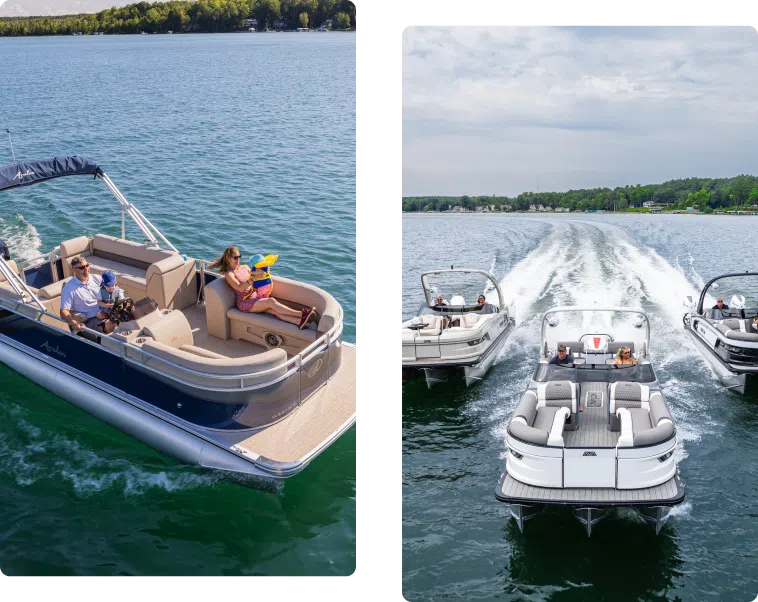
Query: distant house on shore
[[325, 25], [562, 210], [251, 23], [280, 23]]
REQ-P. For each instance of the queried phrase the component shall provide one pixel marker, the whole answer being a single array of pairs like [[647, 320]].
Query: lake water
[[219, 139], [458, 540]]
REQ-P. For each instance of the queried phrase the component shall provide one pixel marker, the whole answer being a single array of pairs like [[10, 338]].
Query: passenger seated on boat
[[563, 357], [440, 301], [486, 308], [80, 296], [624, 357], [239, 277], [720, 304], [109, 294]]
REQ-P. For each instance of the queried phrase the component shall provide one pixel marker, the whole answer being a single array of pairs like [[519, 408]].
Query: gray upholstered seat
[[649, 417], [737, 330]]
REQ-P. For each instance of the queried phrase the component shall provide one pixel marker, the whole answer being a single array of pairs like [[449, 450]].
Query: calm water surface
[[219, 140], [458, 541]]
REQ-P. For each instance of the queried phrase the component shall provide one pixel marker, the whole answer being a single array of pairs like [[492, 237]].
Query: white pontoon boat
[[727, 336], [592, 435], [455, 334]]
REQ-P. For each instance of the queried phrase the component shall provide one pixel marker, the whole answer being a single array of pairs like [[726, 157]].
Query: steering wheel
[[125, 303]]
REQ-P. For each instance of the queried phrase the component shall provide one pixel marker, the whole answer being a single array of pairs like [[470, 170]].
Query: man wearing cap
[[563, 358]]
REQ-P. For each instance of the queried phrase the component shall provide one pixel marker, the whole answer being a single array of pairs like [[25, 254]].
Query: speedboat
[[592, 435], [727, 336], [450, 335], [191, 376]]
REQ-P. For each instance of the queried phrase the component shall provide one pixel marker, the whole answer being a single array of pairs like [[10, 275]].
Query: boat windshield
[[582, 373], [443, 310]]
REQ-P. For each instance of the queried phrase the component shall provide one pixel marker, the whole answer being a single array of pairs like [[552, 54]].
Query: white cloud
[[40, 8], [488, 110]]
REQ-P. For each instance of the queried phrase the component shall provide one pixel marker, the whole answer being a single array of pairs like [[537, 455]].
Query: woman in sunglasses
[[624, 357], [238, 275]]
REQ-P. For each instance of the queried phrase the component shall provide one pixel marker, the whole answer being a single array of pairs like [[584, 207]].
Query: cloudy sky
[[27, 8], [504, 111]]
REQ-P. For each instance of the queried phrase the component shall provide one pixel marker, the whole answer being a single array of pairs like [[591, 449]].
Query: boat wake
[[20, 236]]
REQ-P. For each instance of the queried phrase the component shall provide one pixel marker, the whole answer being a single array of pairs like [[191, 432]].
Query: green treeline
[[704, 194], [187, 16]]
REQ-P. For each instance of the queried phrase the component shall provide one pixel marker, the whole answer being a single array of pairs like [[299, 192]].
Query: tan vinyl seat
[[189, 358], [225, 321], [142, 271]]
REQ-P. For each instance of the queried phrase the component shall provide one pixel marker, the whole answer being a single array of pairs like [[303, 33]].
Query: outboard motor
[[4, 252], [737, 302]]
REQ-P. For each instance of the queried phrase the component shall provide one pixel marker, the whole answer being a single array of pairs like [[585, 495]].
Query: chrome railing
[[294, 365]]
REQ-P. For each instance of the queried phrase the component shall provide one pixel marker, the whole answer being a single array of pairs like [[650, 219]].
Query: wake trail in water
[[22, 238]]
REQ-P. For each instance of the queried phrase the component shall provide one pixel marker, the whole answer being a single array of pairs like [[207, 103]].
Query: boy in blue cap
[[109, 294]]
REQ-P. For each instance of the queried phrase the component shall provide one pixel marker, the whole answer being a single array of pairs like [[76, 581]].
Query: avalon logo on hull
[[50, 349], [20, 175], [312, 371]]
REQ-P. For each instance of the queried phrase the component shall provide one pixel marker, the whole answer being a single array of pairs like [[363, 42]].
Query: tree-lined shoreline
[[188, 16], [706, 195]]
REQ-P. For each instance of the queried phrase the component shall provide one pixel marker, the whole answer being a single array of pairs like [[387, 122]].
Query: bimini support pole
[[148, 229]]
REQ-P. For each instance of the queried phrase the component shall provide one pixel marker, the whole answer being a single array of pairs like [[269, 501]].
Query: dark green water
[[458, 540], [219, 140]]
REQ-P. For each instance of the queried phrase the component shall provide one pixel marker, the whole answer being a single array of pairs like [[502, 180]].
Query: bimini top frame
[[428, 292], [707, 286], [608, 308], [34, 172]]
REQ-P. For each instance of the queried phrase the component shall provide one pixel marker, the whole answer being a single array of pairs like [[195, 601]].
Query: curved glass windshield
[[641, 373]]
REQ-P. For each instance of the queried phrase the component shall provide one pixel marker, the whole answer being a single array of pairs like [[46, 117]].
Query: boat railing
[[294, 365], [32, 262]]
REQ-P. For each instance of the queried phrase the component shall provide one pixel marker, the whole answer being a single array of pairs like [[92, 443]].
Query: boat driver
[[80, 295], [720, 304], [563, 358], [440, 301]]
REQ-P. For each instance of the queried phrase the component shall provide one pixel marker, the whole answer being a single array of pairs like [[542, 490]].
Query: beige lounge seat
[[225, 321], [142, 271], [189, 358]]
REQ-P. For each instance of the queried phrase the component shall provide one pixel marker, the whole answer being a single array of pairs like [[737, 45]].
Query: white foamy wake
[[21, 237]]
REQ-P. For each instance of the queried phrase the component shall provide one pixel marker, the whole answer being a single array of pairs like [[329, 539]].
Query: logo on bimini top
[[596, 340], [47, 347], [20, 175], [589, 454]]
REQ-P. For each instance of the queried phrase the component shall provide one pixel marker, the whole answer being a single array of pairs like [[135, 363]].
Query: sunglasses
[[236, 256], [82, 267]]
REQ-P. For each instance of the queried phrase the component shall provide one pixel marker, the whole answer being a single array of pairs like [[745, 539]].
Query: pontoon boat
[[727, 336], [592, 435], [455, 334], [194, 378]]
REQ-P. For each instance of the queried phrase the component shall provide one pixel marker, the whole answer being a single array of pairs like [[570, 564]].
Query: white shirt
[[80, 297]]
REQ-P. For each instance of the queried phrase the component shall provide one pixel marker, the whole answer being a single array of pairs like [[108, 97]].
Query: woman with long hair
[[239, 276], [624, 357]]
